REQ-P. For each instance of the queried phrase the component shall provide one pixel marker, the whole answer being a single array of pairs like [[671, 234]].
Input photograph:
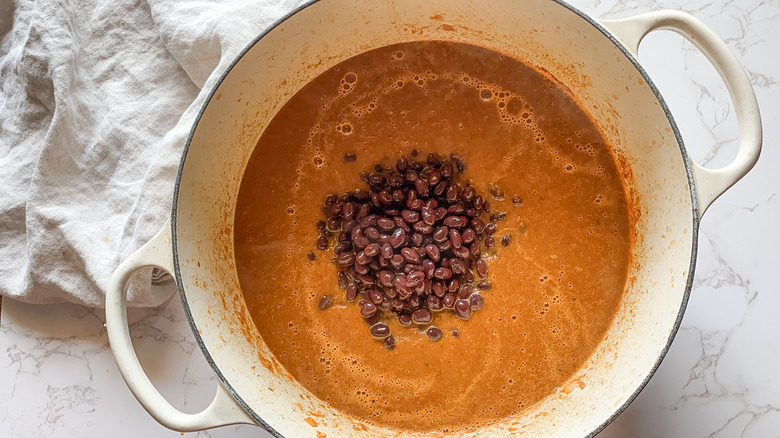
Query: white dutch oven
[[595, 59]]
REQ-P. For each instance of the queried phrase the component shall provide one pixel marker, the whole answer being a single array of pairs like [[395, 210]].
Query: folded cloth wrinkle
[[97, 98]]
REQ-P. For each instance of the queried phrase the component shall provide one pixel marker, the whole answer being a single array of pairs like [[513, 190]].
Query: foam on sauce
[[556, 288]]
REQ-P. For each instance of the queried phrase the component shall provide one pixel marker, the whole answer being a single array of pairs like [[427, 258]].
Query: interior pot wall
[[541, 32]]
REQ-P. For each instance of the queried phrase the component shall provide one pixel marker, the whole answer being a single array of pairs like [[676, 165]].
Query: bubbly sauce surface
[[555, 288]]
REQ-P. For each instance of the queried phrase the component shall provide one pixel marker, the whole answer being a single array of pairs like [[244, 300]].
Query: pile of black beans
[[411, 244]]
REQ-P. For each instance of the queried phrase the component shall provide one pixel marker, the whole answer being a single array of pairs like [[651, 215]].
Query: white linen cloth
[[96, 100]]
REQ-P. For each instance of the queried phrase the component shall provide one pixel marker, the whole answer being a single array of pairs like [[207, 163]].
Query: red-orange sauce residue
[[556, 287]]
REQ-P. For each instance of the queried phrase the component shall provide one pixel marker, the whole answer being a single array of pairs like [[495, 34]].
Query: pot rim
[[684, 155]]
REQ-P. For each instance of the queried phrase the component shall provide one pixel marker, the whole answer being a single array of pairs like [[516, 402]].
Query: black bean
[[397, 181], [468, 235], [434, 333], [434, 178], [410, 216], [506, 240], [452, 195], [468, 194], [422, 316], [463, 309], [385, 278], [361, 195], [428, 267], [490, 242], [445, 246], [334, 210], [468, 276], [442, 273], [349, 274], [362, 259], [476, 301], [446, 170], [362, 268], [453, 285], [374, 296], [410, 255], [486, 207], [345, 259], [387, 250], [361, 242], [434, 303], [458, 208], [351, 292], [466, 291], [398, 238], [371, 232], [311, 256], [377, 180], [483, 285], [495, 217], [321, 225], [457, 266], [380, 331], [454, 221], [415, 152], [440, 213], [490, 228], [481, 267], [422, 227], [433, 251], [401, 164], [325, 302], [385, 197], [448, 300], [462, 252], [478, 225], [411, 176], [415, 278], [438, 288], [422, 188], [475, 248], [330, 200], [478, 201], [398, 196], [397, 261], [434, 159], [471, 212], [440, 235], [372, 249], [368, 310], [401, 224], [428, 215], [322, 243], [386, 224], [455, 238], [432, 204], [366, 279], [390, 343], [348, 225]]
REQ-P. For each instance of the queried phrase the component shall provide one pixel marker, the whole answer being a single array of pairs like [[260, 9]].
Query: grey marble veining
[[719, 380]]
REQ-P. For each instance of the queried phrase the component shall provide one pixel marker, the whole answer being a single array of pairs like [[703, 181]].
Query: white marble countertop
[[720, 379]]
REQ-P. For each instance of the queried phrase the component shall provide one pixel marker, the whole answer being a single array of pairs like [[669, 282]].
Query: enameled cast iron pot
[[596, 59]]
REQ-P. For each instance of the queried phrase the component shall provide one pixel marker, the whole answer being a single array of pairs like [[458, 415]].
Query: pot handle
[[222, 411], [710, 183]]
